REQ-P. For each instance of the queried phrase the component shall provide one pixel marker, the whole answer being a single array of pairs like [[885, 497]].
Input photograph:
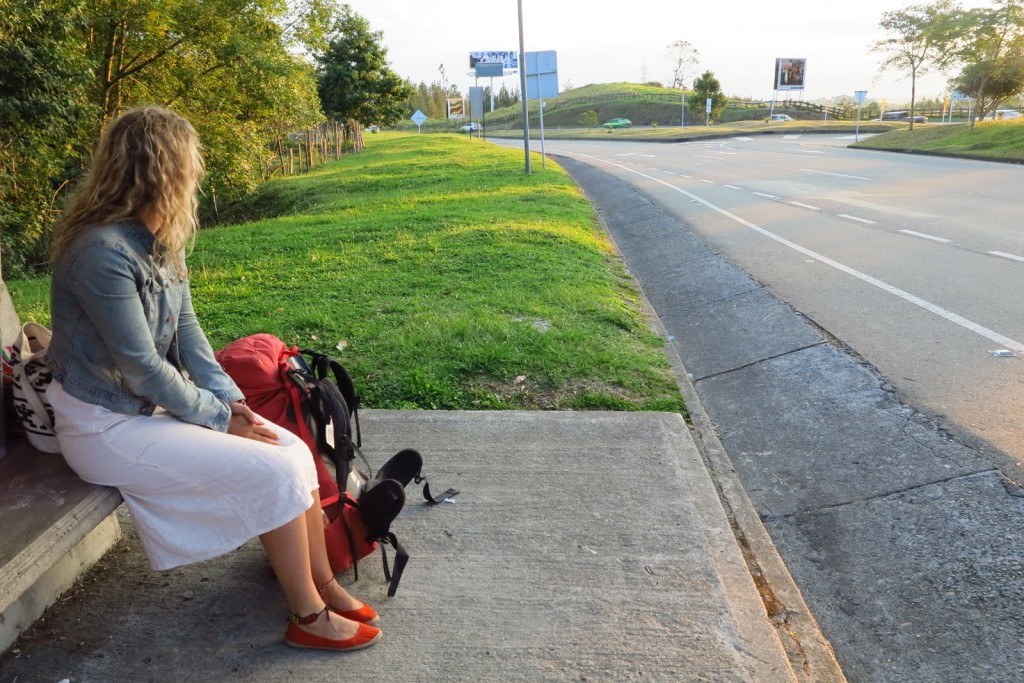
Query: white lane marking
[[790, 137], [766, 196], [806, 151], [669, 173], [732, 187], [1005, 255], [884, 286], [711, 182], [927, 237], [840, 175], [685, 176], [704, 157], [743, 139], [806, 206], [634, 154], [734, 153], [855, 218]]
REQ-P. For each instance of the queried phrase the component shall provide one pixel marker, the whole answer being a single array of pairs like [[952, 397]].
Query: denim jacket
[[114, 315]]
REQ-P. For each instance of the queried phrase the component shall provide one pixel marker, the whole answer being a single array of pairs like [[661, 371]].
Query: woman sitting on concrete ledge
[[199, 471]]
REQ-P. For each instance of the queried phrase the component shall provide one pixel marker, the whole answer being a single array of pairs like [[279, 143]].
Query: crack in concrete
[[686, 312], [883, 496], [762, 360]]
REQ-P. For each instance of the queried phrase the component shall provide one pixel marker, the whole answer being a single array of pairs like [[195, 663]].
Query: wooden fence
[[300, 151]]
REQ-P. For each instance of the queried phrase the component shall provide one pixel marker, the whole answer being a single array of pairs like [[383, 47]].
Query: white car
[[471, 127], [781, 117]]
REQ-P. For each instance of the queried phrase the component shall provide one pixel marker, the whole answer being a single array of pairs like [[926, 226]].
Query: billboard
[[507, 59], [456, 108], [790, 73]]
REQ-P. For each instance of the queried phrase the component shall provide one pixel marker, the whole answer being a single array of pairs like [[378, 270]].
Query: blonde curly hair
[[147, 162]]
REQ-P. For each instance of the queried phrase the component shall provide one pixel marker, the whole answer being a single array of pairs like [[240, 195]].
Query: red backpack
[[318, 404]]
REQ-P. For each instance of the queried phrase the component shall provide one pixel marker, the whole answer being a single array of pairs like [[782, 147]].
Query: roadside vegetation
[[455, 280], [991, 140]]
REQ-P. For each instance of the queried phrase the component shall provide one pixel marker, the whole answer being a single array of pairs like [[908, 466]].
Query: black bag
[[332, 406]]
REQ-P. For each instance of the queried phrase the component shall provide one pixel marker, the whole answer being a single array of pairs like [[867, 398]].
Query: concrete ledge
[[54, 526]]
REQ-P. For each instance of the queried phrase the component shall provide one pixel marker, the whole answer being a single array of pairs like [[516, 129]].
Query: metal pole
[[543, 158], [856, 136], [522, 88]]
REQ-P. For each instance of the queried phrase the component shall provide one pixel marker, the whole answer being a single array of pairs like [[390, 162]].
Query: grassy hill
[[644, 105], [439, 273], [990, 140]]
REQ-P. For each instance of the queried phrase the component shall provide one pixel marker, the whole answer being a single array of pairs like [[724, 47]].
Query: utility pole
[[522, 88]]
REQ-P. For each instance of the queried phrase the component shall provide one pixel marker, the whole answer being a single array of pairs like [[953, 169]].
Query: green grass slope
[[455, 281], [995, 140]]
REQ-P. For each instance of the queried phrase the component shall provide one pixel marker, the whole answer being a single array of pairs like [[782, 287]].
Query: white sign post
[[858, 95], [707, 113], [541, 70], [418, 118]]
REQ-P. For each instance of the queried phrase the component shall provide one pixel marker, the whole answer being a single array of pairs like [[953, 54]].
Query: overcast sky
[[601, 41]]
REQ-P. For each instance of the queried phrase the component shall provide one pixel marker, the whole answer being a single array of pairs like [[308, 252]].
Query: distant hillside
[[644, 105]]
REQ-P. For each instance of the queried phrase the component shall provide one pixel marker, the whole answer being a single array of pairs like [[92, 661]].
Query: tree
[[684, 58], [706, 86], [992, 51], [43, 111], [918, 36], [354, 78], [227, 65], [589, 118]]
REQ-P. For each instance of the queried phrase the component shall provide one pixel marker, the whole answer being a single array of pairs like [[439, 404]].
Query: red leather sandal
[[296, 637], [364, 615]]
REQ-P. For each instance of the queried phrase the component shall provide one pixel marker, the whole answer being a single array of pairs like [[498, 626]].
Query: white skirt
[[194, 493]]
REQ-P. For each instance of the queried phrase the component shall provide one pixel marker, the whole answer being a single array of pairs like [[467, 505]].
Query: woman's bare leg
[[288, 549], [334, 593]]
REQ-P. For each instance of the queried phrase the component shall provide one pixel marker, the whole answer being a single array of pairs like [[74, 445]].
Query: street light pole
[[522, 89]]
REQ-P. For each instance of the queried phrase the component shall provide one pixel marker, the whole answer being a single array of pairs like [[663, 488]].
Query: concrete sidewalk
[[584, 546]]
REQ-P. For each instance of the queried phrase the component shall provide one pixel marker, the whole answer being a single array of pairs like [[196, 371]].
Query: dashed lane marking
[[1003, 254], [925, 236], [1004, 341], [806, 206], [839, 175], [732, 187], [765, 195], [857, 218]]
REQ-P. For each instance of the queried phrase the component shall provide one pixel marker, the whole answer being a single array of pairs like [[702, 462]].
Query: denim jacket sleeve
[[197, 354], [105, 283]]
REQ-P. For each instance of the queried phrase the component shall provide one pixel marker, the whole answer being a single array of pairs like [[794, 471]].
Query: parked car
[[373, 128], [781, 117], [470, 127], [903, 116], [1002, 115], [617, 123]]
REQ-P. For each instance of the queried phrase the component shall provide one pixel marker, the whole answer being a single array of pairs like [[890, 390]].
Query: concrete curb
[[810, 654]]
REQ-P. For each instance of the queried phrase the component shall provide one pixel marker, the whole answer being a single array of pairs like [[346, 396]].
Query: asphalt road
[[914, 262], [902, 537]]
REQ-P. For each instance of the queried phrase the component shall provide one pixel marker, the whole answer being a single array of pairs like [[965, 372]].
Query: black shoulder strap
[[435, 499], [401, 559], [323, 365]]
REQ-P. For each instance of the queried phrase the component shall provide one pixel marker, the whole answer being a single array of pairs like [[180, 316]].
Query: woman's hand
[[245, 423]]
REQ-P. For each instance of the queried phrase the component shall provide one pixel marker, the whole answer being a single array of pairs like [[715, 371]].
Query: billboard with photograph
[[456, 108], [790, 73], [507, 59]]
